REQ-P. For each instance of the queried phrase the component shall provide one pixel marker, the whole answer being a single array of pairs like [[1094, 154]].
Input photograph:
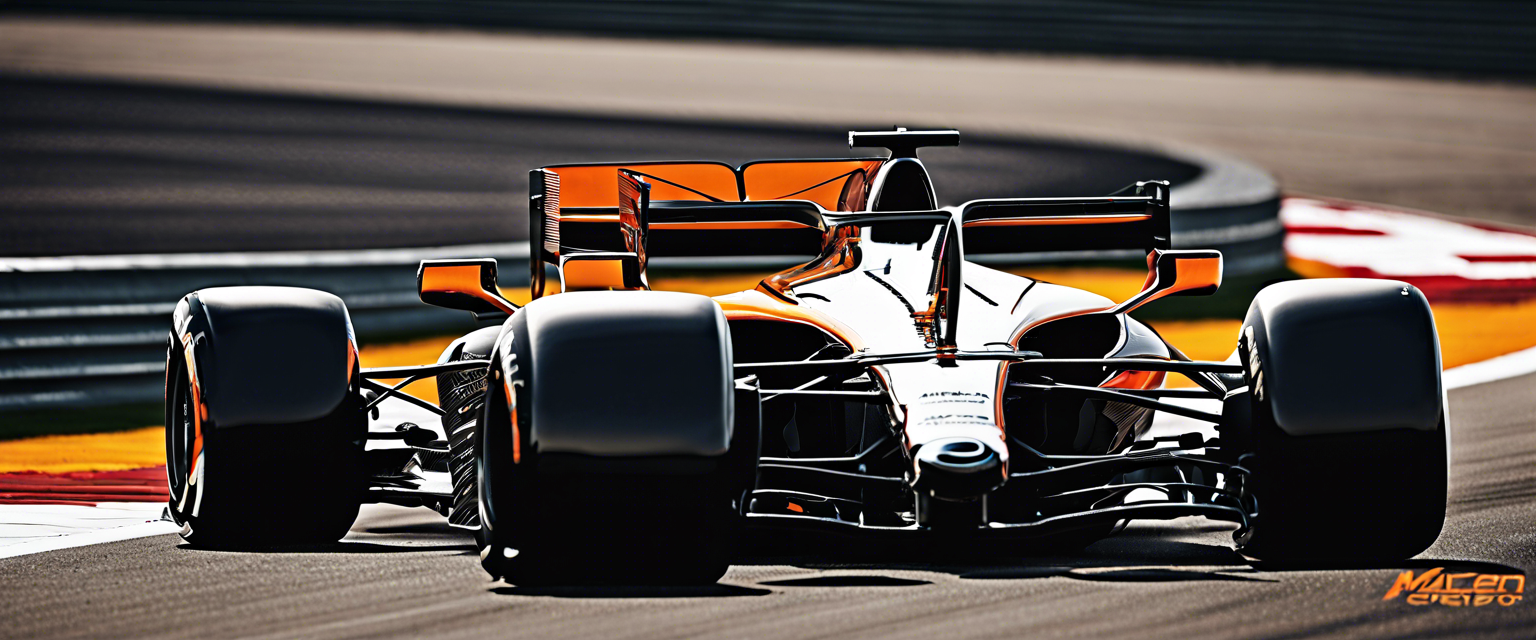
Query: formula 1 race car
[[886, 388]]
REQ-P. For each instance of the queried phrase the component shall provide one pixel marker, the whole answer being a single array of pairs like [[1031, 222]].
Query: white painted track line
[[27, 529], [1510, 365]]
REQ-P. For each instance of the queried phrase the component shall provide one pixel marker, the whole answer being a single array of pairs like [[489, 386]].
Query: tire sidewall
[[262, 486], [1339, 499]]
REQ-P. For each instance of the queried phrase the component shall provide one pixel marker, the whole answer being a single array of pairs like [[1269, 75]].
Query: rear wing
[[621, 237], [672, 227], [1137, 217], [660, 215]]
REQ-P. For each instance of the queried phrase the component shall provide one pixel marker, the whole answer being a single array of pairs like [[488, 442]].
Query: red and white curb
[[60, 511], [1449, 260]]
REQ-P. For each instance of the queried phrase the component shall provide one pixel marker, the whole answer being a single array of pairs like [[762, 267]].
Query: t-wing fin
[[903, 143]]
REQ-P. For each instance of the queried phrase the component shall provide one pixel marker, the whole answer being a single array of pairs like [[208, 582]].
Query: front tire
[[1347, 430], [572, 491]]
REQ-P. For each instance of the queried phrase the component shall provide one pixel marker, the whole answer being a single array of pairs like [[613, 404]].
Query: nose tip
[[959, 453], [957, 469]]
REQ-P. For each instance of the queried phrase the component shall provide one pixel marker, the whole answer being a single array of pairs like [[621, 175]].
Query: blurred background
[[1468, 37], [148, 149]]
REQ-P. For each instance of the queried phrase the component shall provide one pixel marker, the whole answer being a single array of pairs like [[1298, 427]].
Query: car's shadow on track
[[604, 592], [846, 581], [348, 547], [1414, 564], [1143, 554], [393, 537], [1140, 556]]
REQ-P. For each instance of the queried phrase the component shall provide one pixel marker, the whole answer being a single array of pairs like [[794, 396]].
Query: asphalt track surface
[[1452, 147], [404, 573], [103, 168]]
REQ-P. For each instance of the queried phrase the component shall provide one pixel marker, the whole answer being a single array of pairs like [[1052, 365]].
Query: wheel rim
[[179, 438]]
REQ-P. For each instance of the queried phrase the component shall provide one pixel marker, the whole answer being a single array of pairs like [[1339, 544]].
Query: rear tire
[[267, 485], [462, 396]]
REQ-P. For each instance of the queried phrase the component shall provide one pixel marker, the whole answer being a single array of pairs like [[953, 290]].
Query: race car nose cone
[[957, 469]]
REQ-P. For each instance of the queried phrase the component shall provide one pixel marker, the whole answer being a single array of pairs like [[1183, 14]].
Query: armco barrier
[[91, 330]]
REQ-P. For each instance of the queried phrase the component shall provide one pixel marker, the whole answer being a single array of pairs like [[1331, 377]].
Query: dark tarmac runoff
[[92, 168], [109, 168]]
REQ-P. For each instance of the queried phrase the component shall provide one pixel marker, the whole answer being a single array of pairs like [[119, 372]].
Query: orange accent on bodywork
[[1190, 273], [592, 275], [598, 185], [633, 194], [517, 436], [1136, 380], [590, 218], [997, 398], [1198, 274], [756, 305], [199, 410], [836, 185], [733, 225], [1147, 282], [465, 279], [454, 279], [1046, 221], [840, 185], [1132, 380], [838, 258]]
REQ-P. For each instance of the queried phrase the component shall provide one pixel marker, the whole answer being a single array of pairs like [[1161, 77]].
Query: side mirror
[[467, 285], [1177, 273]]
